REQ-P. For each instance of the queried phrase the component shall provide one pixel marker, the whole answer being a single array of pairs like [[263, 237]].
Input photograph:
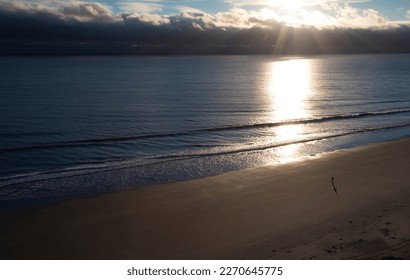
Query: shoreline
[[285, 211]]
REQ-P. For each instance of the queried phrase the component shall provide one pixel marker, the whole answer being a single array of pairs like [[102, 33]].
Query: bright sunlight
[[288, 88], [296, 12], [290, 5]]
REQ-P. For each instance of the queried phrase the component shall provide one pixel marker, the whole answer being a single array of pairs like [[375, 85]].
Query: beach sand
[[286, 211]]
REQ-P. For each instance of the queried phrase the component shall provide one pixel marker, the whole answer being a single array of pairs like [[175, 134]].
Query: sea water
[[76, 126]]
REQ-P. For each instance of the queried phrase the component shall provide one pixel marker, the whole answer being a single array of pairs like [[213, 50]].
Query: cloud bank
[[78, 27]]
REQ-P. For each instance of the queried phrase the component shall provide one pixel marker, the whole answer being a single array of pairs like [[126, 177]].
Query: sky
[[393, 10], [199, 26]]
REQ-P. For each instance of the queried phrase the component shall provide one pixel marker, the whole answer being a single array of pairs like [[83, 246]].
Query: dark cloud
[[90, 28]]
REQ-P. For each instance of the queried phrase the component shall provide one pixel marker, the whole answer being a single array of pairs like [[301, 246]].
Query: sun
[[289, 5], [296, 12], [293, 5]]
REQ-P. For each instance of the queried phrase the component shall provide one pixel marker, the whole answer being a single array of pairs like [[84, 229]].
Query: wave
[[89, 169], [109, 140], [266, 147], [312, 120]]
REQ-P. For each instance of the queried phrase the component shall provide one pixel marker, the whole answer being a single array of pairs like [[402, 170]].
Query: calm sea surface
[[74, 126]]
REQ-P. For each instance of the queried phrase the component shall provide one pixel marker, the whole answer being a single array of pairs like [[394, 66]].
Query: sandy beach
[[287, 211]]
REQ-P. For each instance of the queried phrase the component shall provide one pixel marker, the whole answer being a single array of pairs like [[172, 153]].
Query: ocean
[[79, 126]]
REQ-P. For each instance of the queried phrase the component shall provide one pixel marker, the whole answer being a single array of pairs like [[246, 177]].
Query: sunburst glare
[[296, 13]]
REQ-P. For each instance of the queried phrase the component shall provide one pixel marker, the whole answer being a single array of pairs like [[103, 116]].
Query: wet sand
[[288, 211]]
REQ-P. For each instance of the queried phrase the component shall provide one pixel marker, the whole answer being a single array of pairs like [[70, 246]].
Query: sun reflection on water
[[288, 89]]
